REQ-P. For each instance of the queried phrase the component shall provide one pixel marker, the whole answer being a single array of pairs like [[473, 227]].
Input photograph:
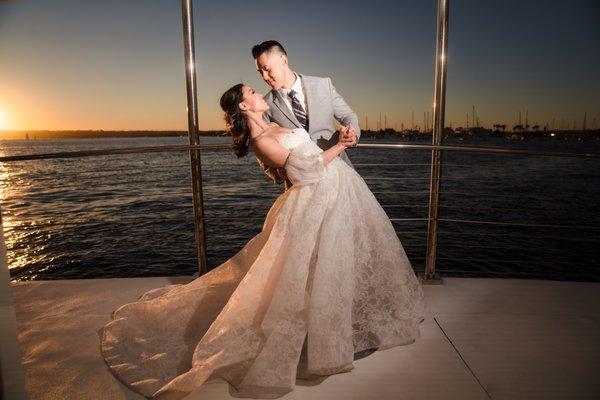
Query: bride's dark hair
[[235, 121]]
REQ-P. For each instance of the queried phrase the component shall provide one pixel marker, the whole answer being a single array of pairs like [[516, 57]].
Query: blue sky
[[119, 64]]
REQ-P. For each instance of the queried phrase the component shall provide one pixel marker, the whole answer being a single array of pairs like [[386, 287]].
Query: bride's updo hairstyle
[[235, 121]]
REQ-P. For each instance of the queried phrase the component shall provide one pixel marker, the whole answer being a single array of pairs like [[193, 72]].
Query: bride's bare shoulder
[[273, 132], [268, 146]]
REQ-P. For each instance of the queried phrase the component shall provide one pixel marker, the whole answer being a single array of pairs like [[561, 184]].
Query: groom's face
[[271, 67]]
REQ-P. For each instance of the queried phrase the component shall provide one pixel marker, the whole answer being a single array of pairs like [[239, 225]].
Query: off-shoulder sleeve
[[303, 167]]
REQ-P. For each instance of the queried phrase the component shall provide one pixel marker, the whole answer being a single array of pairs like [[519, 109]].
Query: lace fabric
[[326, 277], [304, 165]]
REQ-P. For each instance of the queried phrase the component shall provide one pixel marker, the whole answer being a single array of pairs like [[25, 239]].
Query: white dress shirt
[[296, 87]]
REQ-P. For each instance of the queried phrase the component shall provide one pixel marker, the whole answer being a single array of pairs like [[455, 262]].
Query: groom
[[302, 101]]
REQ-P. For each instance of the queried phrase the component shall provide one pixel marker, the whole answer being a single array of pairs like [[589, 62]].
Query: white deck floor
[[482, 339]]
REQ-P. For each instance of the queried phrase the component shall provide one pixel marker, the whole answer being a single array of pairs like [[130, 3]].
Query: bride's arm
[[332, 152], [301, 168], [272, 153]]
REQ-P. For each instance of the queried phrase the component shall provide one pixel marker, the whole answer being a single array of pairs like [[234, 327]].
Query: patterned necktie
[[298, 110]]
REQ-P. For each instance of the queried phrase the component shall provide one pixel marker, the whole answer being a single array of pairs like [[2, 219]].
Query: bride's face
[[253, 101]]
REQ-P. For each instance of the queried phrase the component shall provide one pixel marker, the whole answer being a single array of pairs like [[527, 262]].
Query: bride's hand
[[347, 137]]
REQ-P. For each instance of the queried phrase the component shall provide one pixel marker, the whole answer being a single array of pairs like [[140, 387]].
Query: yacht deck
[[482, 339]]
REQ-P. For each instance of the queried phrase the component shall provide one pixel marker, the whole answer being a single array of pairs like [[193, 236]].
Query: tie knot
[[292, 93]]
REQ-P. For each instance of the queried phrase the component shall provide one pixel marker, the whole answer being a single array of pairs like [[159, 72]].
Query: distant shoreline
[[88, 134], [459, 133]]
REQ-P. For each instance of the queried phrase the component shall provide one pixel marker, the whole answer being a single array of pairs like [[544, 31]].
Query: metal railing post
[[439, 104], [192, 112]]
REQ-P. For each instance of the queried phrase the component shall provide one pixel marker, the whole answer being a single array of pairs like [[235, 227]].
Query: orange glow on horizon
[[3, 123]]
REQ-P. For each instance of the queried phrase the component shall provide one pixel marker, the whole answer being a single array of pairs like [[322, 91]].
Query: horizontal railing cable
[[513, 261], [389, 164], [395, 178], [175, 148], [400, 192], [471, 246], [468, 221], [459, 272], [409, 219], [520, 236], [479, 149]]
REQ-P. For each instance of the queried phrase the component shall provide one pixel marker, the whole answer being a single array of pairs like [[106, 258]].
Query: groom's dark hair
[[267, 46]]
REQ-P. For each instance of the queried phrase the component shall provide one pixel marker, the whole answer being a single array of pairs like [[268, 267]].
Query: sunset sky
[[118, 65]]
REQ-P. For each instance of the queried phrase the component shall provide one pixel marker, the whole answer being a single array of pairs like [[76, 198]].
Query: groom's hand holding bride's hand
[[347, 136]]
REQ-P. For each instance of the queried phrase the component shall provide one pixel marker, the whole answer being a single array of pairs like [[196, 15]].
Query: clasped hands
[[347, 139], [347, 136]]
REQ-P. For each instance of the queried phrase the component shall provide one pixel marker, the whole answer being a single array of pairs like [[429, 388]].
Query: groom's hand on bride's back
[[277, 175], [281, 173], [271, 172]]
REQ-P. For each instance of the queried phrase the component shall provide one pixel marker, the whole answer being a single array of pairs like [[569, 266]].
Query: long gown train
[[326, 278]]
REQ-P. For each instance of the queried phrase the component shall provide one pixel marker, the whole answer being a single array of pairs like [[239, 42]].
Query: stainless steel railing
[[192, 113], [439, 107], [407, 146]]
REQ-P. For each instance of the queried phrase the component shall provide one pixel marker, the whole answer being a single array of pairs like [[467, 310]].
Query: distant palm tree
[[518, 127], [536, 128], [503, 127]]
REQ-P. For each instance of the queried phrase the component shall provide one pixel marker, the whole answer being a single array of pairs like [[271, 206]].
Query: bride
[[326, 278]]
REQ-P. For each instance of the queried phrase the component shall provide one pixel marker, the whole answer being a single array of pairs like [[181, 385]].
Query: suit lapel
[[280, 103]]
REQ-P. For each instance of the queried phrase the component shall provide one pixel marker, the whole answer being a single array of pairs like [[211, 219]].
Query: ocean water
[[131, 215]]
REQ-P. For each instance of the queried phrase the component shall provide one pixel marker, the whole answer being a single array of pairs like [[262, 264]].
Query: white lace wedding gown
[[326, 278]]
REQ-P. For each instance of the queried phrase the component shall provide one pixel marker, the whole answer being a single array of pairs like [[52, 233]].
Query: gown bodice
[[305, 163], [298, 137]]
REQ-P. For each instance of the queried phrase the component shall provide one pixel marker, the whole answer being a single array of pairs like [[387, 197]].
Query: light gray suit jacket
[[324, 104]]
